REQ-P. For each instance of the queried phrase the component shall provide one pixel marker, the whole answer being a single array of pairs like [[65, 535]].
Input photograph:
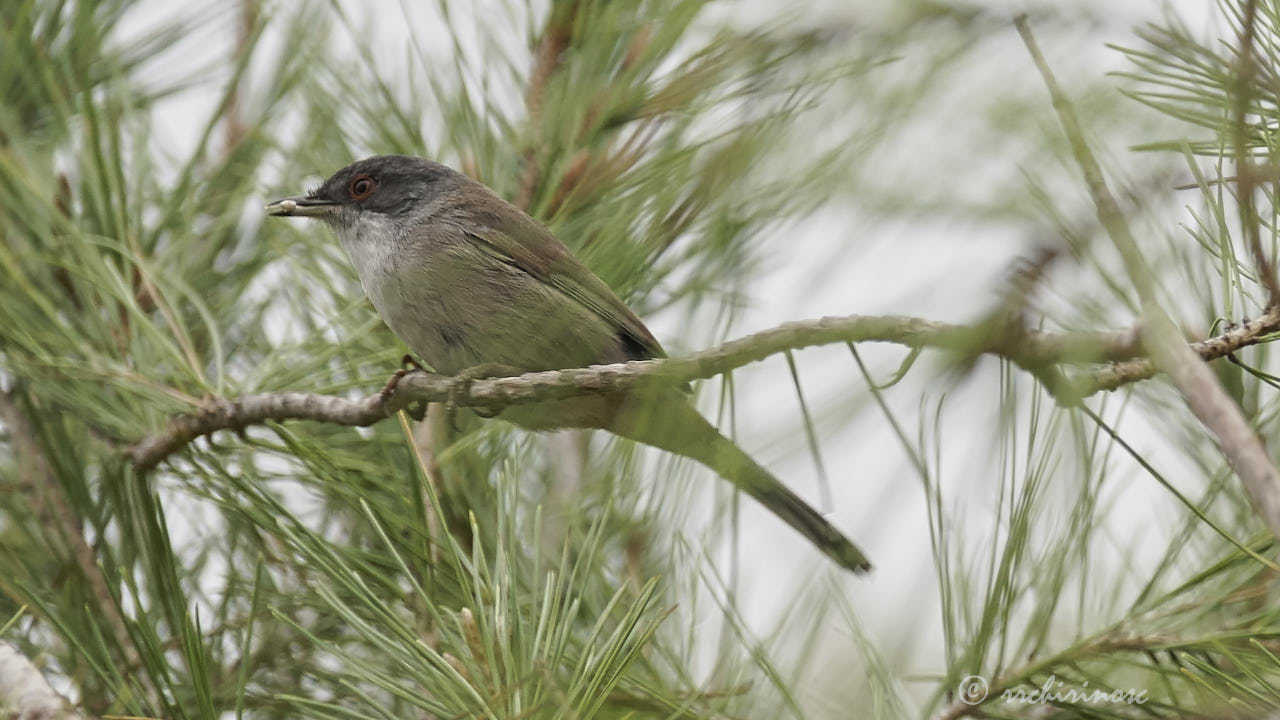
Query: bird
[[476, 287]]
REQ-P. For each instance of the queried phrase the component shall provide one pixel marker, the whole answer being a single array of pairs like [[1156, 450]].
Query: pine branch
[[1199, 387], [1119, 374], [1027, 348]]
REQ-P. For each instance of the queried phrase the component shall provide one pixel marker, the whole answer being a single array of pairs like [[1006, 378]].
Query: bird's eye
[[362, 186]]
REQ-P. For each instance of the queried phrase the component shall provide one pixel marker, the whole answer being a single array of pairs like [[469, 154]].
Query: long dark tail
[[677, 427]]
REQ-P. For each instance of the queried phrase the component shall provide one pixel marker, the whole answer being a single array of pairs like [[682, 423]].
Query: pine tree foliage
[[302, 569]]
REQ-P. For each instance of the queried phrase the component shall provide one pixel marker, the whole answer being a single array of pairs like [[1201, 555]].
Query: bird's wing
[[543, 256]]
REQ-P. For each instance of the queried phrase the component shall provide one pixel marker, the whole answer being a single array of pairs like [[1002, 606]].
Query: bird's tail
[[679, 428]]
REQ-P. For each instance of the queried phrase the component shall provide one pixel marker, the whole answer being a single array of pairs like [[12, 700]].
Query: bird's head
[[376, 190]]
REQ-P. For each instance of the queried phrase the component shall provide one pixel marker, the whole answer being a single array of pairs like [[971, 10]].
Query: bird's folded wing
[[543, 256]]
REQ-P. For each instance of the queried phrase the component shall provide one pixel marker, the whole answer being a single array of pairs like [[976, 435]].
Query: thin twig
[[546, 59], [1246, 173], [432, 479], [1116, 375], [236, 129], [1198, 385], [1029, 349]]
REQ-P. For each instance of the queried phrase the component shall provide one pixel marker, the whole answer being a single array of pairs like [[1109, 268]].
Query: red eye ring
[[362, 186]]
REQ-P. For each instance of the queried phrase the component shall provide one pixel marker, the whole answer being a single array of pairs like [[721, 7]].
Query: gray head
[[377, 189]]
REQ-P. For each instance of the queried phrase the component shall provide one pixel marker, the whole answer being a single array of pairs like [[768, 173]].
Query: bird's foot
[[407, 365], [461, 385]]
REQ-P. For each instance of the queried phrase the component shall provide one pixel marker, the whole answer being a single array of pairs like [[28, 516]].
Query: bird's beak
[[301, 207]]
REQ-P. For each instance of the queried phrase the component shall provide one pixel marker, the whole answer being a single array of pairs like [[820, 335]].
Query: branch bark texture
[[1025, 347]]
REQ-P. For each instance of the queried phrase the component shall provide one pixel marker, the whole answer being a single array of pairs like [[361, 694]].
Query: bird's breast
[[457, 307], [400, 279]]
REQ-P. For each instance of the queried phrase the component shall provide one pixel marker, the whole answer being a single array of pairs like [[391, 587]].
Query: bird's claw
[[461, 386], [407, 365], [392, 382]]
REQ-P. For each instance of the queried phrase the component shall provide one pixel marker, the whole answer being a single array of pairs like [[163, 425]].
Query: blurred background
[[726, 167]]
